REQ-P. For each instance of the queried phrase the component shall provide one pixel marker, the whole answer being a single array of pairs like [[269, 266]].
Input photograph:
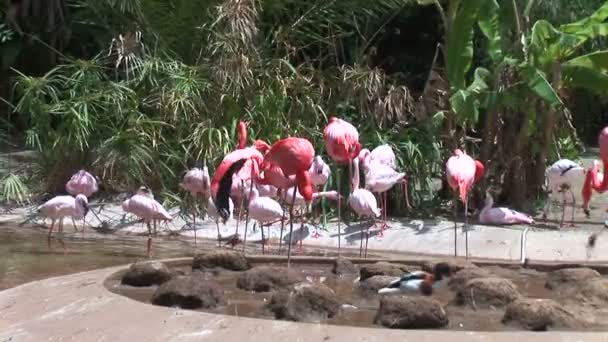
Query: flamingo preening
[[197, 182], [462, 171], [147, 208], [362, 202], [501, 216], [342, 144], [319, 174], [561, 177], [592, 179], [82, 182]]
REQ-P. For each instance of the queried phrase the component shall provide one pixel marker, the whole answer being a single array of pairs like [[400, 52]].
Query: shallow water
[[25, 254]]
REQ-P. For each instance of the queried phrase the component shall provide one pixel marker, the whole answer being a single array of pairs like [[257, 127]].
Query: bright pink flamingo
[[592, 180], [342, 144], [294, 156], [462, 171], [82, 182], [362, 202], [197, 182], [501, 216], [147, 208], [59, 207]]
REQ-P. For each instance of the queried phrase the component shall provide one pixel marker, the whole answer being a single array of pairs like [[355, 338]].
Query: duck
[[418, 281]]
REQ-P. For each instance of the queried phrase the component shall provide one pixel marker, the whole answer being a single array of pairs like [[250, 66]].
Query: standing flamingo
[[144, 206], [501, 216], [264, 210], [561, 177], [197, 182], [592, 180], [215, 216], [342, 144], [59, 207], [382, 154], [82, 182], [294, 156], [462, 171], [363, 202], [319, 175]]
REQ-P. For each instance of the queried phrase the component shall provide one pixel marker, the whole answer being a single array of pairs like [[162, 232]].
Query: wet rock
[[484, 293], [458, 280], [411, 312], [570, 276], [375, 283], [593, 292], [382, 268], [455, 265], [344, 266], [306, 302], [189, 292], [146, 274], [267, 278], [230, 260], [540, 315]]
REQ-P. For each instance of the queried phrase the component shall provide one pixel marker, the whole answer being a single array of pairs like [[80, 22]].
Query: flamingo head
[[261, 146], [304, 183], [587, 191], [479, 170], [82, 201], [333, 119], [458, 152], [242, 132], [363, 155], [355, 150]]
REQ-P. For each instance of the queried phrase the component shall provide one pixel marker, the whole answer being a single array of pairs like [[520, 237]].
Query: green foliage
[[14, 190]]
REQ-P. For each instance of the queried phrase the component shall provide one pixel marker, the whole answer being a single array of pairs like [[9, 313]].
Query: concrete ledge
[[78, 307]]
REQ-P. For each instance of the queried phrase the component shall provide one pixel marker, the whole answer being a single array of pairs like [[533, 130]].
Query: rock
[[593, 292], [146, 274], [344, 266], [487, 292], [230, 260], [306, 302], [454, 264], [460, 278], [411, 312], [570, 276], [540, 314], [189, 292], [382, 268], [267, 278], [375, 283]]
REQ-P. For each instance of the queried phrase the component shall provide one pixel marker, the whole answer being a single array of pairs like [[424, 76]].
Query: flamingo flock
[[271, 182]]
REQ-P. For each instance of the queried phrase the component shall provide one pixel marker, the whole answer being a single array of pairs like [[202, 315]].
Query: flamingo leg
[[83, 222], [281, 235], [361, 243], [301, 234], [219, 236], [466, 224], [293, 199], [49, 235], [74, 224], [154, 223], [367, 236], [247, 213], [61, 225], [573, 207], [561, 224], [194, 226], [263, 240], [406, 195], [339, 216], [455, 225], [149, 243]]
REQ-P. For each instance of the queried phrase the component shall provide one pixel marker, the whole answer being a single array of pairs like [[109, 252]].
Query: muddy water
[[361, 307], [25, 254]]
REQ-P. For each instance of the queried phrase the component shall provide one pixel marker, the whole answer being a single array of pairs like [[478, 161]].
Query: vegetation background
[[139, 90]]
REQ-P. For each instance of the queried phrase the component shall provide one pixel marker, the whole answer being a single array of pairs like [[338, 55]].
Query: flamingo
[[197, 181], [59, 207], [82, 182], [501, 216], [561, 177], [362, 202], [294, 156], [462, 171], [382, 154], [592, 180], [144, 206], [342, 144], [319, 175], [264, 210], [215, 216]]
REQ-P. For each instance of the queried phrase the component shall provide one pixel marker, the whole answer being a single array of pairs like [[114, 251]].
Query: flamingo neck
[[242, 135], [355, 175]]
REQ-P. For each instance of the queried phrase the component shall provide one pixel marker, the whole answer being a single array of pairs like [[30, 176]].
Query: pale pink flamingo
[[197, 182], [215, 216], [462, 171], [382, 154], [561, 177], [148, 209], [82, 182], [501, 216], [59, 207], [319, 174], [264, 210], [342, 144], [294, 156], [362, 202]]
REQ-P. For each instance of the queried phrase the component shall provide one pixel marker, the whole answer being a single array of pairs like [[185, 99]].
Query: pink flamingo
[[147, 208], [215, 216], [501, 216], [264, 210], [592, 180], [197, 182], [342, 144], [382, 154], [59, 207], [319, 174], [82, 182], [561, 176], [294, 156], [363, 202], [462, 171]]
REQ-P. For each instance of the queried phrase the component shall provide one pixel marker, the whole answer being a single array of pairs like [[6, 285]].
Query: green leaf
[[425, 2], [537, 82], [590, 26], [489, 24], [588, 71]]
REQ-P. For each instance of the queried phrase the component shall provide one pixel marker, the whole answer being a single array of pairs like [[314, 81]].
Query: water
[[25, 254]]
